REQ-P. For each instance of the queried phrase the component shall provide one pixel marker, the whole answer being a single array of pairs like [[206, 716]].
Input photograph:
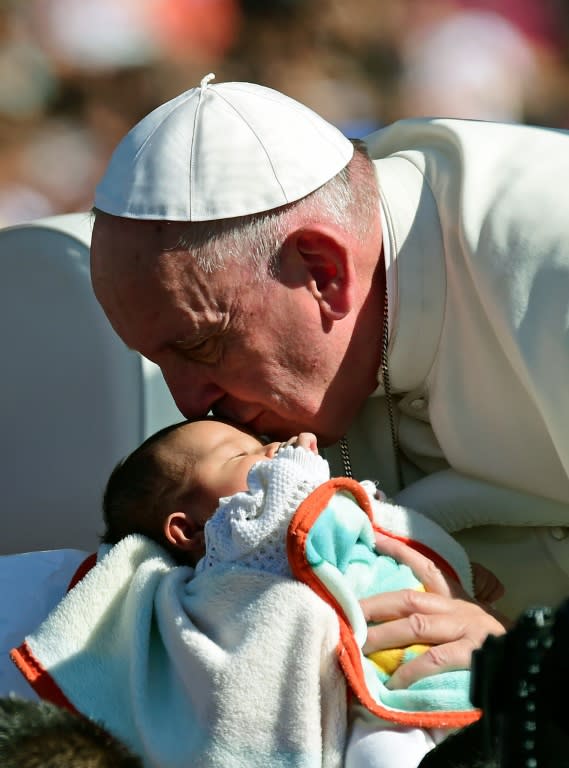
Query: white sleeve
[[371, 744]]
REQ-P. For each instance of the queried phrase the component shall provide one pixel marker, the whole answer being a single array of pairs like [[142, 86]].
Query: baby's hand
[[305, 440]]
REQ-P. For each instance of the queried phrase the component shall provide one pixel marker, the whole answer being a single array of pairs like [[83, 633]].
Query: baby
[[211, 492], [170, 486]]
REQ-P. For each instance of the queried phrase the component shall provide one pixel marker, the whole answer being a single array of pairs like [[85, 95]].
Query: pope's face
[[256, 353]]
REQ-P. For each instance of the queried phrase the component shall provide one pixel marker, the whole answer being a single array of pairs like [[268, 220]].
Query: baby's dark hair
[[37, 734], [137, 493]]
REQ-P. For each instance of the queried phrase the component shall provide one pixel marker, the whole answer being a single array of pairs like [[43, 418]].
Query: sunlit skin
[[278, 356], [214, 458], [208, 460]]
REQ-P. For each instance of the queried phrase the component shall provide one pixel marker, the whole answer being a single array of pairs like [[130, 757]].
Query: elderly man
[[411, 310]]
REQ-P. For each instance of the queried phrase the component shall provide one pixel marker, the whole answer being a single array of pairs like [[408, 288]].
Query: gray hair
[[349, 199]]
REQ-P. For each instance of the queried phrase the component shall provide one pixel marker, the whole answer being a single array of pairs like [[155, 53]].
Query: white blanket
[[175, 666]]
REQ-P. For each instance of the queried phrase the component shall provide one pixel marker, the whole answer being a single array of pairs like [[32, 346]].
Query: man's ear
[[184, 533], [327, 267]]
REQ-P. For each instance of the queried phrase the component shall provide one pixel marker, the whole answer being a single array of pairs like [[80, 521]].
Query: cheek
[[252, 369], [234, 479], [283, 365]]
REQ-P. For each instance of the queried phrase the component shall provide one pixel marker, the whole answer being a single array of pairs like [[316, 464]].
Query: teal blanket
[[331, 547]]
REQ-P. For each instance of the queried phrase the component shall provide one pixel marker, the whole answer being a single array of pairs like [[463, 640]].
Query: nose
[[192, 389]]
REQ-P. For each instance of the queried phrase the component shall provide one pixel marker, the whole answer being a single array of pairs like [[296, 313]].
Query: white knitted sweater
[[250, 527]]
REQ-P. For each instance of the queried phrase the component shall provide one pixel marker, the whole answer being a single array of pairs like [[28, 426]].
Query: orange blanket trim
[[36, 675], [349, 655], [39, 678]]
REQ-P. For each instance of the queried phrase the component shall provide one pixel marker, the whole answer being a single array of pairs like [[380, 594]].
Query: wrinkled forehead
[[119, 244], [136, 275]]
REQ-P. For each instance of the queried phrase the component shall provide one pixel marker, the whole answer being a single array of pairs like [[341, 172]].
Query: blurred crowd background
[[75, 75]]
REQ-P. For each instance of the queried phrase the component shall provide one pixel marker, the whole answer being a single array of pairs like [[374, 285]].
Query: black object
[[520, 681]]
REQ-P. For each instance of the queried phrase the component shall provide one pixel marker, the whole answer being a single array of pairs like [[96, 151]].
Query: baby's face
[[215, 458]]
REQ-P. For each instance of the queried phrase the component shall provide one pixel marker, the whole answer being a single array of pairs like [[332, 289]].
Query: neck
[[368, 335], [369, 330], [363, 358]]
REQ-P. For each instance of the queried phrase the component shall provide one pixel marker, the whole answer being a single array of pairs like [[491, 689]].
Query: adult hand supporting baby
[[444, 616]]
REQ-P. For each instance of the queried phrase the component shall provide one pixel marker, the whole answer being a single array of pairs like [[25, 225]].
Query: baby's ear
[[183, 533]]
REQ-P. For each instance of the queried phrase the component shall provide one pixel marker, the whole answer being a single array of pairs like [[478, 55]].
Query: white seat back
[[73, 398]]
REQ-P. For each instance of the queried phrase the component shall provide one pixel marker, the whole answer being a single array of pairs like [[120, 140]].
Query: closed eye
[[207, 351]]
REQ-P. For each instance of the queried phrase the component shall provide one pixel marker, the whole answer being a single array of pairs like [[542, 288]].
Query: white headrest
[[74, 399]]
